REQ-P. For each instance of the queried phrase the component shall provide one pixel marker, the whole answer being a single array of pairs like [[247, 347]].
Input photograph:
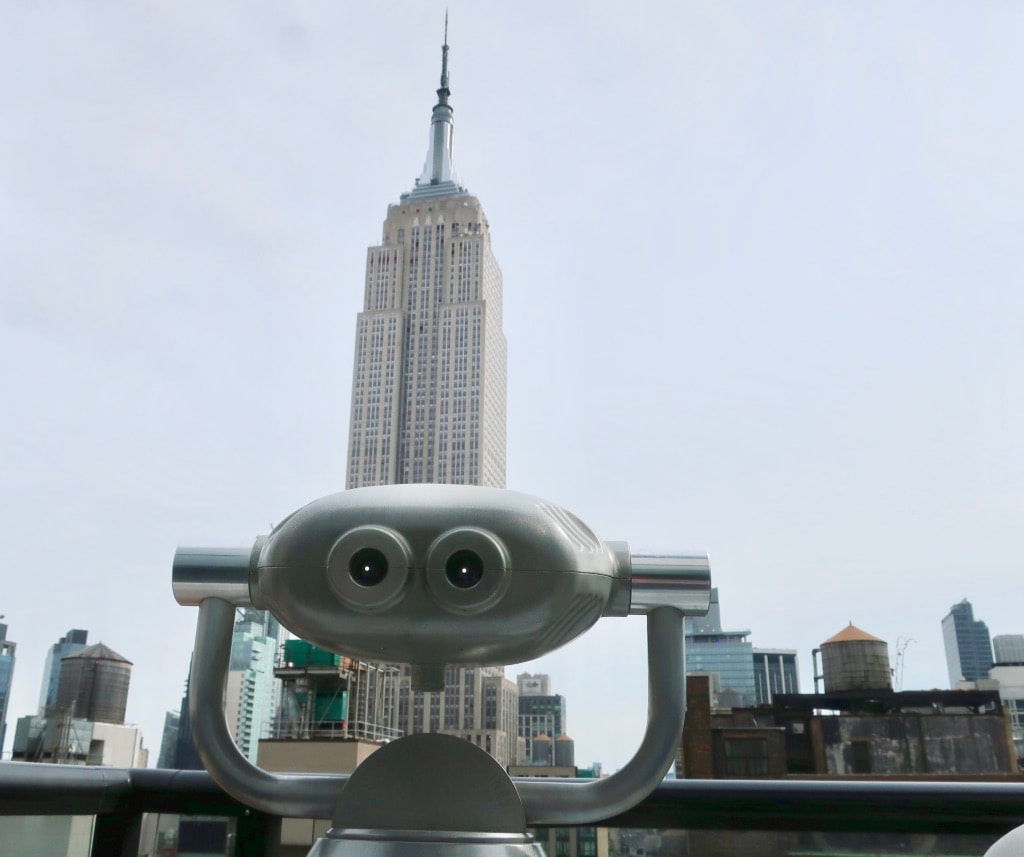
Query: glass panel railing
[[46, 835], [629, 842], [167, 835]]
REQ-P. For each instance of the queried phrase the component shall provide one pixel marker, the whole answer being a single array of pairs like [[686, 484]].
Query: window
[[860, 757], [746, 757]]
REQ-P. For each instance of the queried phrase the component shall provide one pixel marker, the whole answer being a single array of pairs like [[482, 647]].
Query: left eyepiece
[[368, 568]]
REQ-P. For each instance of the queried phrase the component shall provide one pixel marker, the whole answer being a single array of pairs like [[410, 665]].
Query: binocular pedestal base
[[424, 843]]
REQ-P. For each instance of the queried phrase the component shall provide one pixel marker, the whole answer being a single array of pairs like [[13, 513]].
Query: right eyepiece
[[464, 569], [467, 570]]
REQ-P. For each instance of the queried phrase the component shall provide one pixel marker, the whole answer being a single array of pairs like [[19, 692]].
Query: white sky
[[763, 296]]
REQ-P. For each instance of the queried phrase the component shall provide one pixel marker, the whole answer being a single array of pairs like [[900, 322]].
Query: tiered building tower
[[428, 387], [429, 392]]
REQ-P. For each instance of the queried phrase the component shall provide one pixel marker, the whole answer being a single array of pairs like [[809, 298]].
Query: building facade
[[7, 653], [725, 656], [478, 704], [169, 740], [775, 671], [67, 740], [325, 696], [251, 694], [1008, 648], [70, 644], [428, 383], [877, 733], [429, 394], [533, 685], [967, 642], [1010, 680], [541, 712]]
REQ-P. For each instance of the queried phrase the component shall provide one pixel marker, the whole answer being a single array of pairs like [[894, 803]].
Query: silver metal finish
[[213, 573], [682, 581], [524, 577], [363, 598], [550, 802], [302, 796], [1011, 845], [545, 802], [416, 843], [397, 788], [546, 577]]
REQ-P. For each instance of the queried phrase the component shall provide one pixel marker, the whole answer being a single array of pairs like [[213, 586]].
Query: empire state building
[[428, 385], [428, 400]]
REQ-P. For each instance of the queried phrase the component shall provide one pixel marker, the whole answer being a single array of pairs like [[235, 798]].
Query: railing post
[[116, 834], [257, 834]]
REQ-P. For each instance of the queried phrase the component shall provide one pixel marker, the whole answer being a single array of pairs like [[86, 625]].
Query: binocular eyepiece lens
[[368, 567], [464, 569]]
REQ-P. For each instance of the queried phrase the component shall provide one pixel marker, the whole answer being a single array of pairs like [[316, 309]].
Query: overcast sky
[[763, 296]]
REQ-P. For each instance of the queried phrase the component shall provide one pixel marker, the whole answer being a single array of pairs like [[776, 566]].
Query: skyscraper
[[429, 391], [725, 654], [968, 647], [7, 649], [71, 643], [428, 384], [541, 712], [251, 692]]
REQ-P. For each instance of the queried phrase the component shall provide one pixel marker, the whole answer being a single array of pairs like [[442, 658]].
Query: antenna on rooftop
[[901, 649]]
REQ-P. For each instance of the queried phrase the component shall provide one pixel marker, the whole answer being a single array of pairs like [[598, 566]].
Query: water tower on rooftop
[[855, 660]]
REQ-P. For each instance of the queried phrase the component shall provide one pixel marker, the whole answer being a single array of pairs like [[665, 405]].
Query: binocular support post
[[544, 802]]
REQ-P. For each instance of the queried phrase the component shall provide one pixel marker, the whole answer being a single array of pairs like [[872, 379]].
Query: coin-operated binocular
[[431, 576]]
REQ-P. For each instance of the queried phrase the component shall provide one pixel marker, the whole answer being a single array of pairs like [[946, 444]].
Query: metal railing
[[118, 798]]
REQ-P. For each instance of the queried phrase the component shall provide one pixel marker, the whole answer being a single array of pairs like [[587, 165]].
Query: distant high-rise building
[[968, 647], [775, 671], [429, 393], [533, 685], [721, 653], [251, 694], [185, 756], [71, 643], [7, 650], [1008, 648], [541, 712], [169, 740]]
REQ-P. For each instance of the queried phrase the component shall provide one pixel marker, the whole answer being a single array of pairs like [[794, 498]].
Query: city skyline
[[766, 303]]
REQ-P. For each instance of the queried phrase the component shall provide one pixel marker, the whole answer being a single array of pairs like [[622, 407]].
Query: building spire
[[438, 176], [444, 92]]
